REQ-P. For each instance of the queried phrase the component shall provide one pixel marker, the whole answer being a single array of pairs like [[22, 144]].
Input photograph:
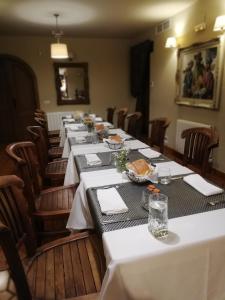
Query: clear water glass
[[158, 215], [164, 175], [95, 139], [145, 199]]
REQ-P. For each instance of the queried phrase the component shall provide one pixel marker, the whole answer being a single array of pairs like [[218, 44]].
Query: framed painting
[[199, 75]]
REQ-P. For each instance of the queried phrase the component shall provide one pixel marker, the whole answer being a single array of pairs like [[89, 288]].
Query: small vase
[[90, 129]]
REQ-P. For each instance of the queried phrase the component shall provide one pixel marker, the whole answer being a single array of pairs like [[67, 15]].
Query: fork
[[213, 203]]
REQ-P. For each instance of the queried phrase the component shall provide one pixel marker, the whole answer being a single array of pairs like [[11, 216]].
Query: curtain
[[140, 79]]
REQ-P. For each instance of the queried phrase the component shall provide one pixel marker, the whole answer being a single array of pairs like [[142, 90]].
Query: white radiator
[[182, 125], [55, 119]]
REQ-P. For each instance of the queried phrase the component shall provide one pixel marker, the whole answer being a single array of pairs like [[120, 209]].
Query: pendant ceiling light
[[58, 50]]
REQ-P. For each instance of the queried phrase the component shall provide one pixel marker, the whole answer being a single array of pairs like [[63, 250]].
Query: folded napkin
[[69, 120], [201, 185], [93, 159], [74, 127], [80, 139], [149, 153], [110, 201], [68, 116], [175, 168], [98, 119]]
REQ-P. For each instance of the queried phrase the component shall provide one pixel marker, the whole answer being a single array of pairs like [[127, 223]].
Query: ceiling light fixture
[[171, 42], [219, 23], [58, 50]]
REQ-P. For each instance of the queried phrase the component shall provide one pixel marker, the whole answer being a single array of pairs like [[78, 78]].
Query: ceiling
[[86, 18]]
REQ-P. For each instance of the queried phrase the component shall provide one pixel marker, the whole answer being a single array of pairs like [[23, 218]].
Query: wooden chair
[[41, 114], [50, 208], [67, 268], [121, 115], [110, 114], [199, 143], [51, 141], [55, 170], [134, 124], [53, 152], [158, 131]]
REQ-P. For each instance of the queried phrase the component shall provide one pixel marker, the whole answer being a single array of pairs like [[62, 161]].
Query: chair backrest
[[24, 155], [110, 114], [37, 136], [158, 131], [199, 143], [121, 115], [15, 230], [38, 114], [42, 122], [134, 123]]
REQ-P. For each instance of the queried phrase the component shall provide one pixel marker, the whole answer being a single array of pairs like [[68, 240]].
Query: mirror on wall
[[72, 85]]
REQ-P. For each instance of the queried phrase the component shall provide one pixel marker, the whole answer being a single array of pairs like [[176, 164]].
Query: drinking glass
[[95, 139], [158, 215], [164, 175], [145, 198]]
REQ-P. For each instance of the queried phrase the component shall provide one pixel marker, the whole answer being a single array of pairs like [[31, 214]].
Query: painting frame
[[199, 74]]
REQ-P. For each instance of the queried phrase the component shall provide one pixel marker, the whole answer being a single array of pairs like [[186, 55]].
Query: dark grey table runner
[[107, 163], [183, 201]]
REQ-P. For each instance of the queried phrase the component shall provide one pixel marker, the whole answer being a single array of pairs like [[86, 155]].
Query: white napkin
[[98, 119], [93, 159], [80, 139], [149, 153], [135, 144], [69, 119], [74, 126], [175, 168], [111, 202], [201, 185]]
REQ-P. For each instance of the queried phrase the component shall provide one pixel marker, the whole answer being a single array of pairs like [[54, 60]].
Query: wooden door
[[18, 98]]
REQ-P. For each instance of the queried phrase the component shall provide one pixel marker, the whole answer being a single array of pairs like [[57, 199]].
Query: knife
[[105, 222]]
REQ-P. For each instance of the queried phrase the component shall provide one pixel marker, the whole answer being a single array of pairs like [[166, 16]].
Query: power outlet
[[166, 140]]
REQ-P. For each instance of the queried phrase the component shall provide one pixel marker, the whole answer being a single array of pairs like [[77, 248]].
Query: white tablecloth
[[189, 265], [80, 217]]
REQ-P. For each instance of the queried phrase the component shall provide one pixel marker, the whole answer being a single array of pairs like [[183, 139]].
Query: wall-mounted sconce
[[200, 27], [219, 23], [171, 42]]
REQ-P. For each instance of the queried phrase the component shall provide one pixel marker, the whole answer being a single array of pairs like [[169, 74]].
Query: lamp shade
[[219, 23], [171, 42], [59, 51]]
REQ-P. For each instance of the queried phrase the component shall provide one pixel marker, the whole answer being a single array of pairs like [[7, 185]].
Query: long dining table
[[188, 264]]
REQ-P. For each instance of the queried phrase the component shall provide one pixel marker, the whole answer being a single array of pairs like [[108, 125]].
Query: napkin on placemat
[[201, 185], [110, 201], [98, 119], [149, 153], [93, 159], [175, 168]]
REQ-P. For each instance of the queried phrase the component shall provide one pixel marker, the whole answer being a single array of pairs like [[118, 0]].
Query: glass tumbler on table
[[164, 175], [158, 215]]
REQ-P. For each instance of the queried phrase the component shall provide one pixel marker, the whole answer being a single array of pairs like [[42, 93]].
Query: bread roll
[[140, 167], [99, 127], [115, 138]]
